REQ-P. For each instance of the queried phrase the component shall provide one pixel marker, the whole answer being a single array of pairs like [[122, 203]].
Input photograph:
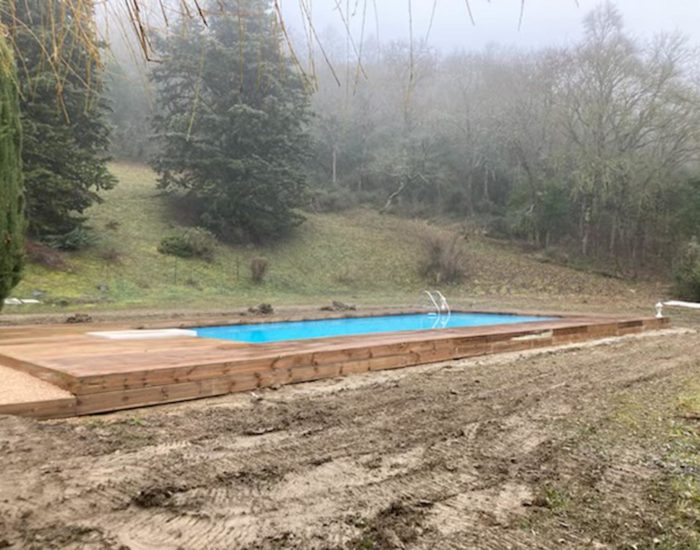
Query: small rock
[[78, 318], [262, 309], [540, 502], [338, 306]]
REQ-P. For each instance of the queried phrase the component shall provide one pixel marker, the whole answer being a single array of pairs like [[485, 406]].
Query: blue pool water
[[324, 328]]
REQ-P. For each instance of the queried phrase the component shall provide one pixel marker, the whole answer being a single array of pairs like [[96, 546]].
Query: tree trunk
[[391, 198], [470, 194], [585, 228], [613, 237], [486, 184], [335, 165]]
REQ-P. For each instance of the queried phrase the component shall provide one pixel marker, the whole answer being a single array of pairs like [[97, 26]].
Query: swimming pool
[[352, 326]]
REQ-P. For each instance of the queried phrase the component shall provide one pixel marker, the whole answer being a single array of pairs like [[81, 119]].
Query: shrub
[[190, 281], [190, 243], [110, 255], [76, 239], [498, 228], [41, 254], [258, 269], [333, 199], [687, 272], [445, 260], [346, 276]]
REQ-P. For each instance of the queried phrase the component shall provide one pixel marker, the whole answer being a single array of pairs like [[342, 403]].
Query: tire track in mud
[[465, 440]]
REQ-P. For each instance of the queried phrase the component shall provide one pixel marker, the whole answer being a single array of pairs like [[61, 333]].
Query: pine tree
[[233, 113], [66, 135], [11, 202]]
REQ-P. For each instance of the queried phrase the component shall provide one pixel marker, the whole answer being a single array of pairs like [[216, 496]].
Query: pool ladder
[[442, 308]]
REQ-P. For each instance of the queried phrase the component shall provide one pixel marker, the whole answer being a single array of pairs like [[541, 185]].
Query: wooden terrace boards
[[106, 375]]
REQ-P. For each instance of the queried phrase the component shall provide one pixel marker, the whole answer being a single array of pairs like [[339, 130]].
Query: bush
[[76, 239], [498, 228], [194, 283], [258, 269], [110, 255], [333, 199], [190, 243], [41, 254], [687, 272], [445, 260]]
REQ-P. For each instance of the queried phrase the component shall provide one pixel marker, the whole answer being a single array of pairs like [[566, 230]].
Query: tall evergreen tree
[[233, 111], [11, 202], [63, 111]]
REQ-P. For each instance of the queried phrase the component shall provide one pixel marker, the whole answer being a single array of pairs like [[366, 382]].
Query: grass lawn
[[356, 255], [333, 255]]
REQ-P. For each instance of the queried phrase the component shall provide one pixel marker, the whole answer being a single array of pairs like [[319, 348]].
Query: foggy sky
[[545, 22]]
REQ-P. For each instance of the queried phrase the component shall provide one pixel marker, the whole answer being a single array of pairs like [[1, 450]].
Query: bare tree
[[631, 122]]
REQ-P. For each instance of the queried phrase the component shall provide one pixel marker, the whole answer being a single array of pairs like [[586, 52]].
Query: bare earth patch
[[561, 448]]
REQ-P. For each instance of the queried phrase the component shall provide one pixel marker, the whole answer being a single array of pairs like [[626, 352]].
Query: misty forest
[[585, 155]]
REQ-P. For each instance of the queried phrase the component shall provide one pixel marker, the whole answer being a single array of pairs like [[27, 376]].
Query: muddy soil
[[513, 451]]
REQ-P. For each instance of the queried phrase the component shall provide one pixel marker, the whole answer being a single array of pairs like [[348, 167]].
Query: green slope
[[346, 255], [357, 255]]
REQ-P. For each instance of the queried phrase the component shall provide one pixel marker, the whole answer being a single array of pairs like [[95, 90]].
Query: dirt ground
[[565, 448]]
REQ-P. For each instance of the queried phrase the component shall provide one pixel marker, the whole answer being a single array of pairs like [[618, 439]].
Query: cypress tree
[[232, 121], [65, 131], [11, 202]]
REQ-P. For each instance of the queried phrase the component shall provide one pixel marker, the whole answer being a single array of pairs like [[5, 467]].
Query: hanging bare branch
[[469, 11]]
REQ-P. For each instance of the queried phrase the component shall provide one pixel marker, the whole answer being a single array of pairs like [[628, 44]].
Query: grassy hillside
[[357, 256]]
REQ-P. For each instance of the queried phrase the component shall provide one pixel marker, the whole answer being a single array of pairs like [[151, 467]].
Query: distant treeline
[[592, 148]]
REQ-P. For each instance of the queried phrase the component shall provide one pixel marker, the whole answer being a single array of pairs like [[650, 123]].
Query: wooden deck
[[105, 375]]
